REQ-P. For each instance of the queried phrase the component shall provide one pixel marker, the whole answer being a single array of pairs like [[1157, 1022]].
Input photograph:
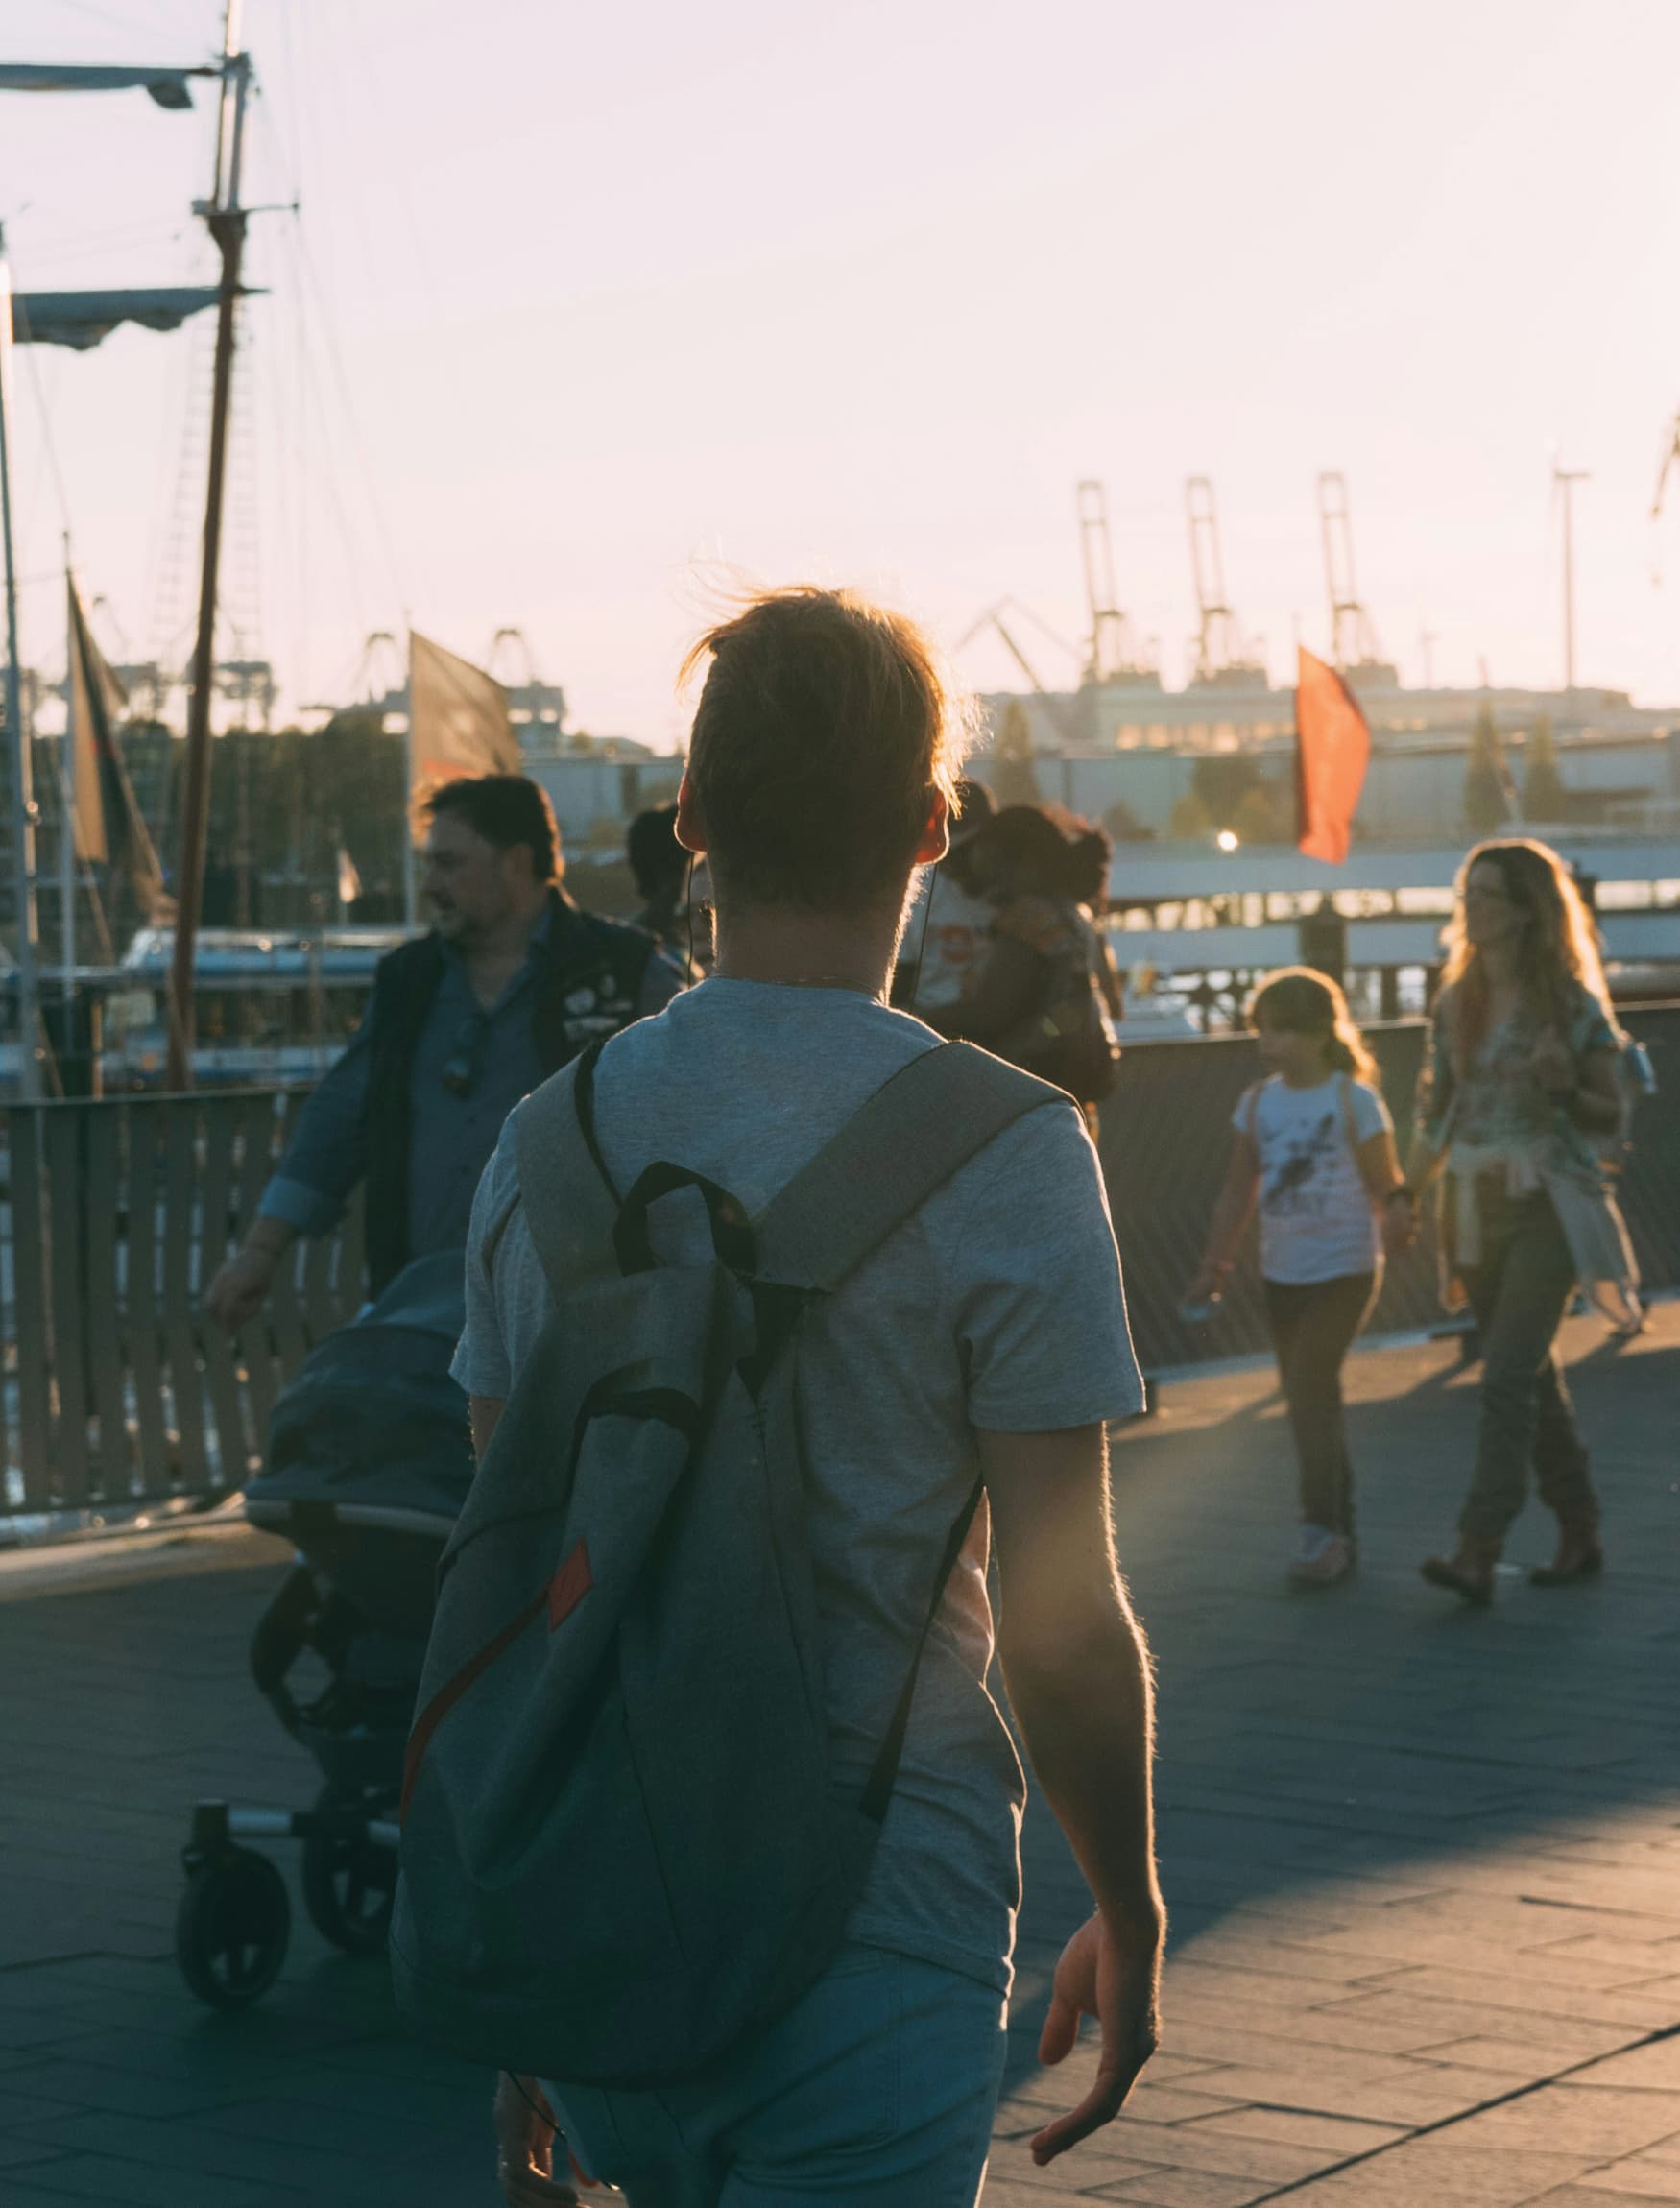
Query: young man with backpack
[[778, 1308]]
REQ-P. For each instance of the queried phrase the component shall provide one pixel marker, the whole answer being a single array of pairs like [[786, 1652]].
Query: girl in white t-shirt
[[1315, 1148]]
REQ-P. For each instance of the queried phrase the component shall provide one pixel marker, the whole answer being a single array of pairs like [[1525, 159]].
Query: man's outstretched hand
[[1120, 1986], [240, 1289]]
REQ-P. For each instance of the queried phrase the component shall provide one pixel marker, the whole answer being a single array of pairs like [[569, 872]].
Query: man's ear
[[936, 835], [690, 827]]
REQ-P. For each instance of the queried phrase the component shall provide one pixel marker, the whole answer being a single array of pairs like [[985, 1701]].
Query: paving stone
[[17, 2153], [1552, 1966], [1601, 2194], [22, 2101], [1185, 2189], [1407, 2102], [73, 2085], [95, 2177], [1509, 2060], [1441, 2019], [1338, 2136], [1094, 2163], [1636, 2178], [1576, 2119], [1434, 2173], [1191, 2147], [1627, 2006]]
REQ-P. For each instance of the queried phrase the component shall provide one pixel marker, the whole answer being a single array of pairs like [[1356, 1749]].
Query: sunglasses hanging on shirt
[[466, 1060]]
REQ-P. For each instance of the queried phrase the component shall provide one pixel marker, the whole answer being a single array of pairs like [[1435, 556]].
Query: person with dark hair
[[1315, 1146], [950, 927], [512, 982], [978, 1350], [1521, 1087], [1046, 995], [660, 867]]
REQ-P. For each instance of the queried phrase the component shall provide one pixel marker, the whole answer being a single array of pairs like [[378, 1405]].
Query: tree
[[1191, 822], [1259, 818], [1487, 779], [1124, 826], [1232, 790], [1015, 781], [1544, 795]]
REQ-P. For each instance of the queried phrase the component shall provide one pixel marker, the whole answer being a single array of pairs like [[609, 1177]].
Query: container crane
[[1671, 455], [1352, 639], [1112, 659], [993, 619], [1224, 659]]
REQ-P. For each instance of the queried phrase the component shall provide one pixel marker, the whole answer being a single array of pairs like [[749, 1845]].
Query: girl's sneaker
[[1320, 1558]]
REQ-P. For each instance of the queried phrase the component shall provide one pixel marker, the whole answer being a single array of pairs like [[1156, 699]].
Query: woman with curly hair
[[1521, 1092]]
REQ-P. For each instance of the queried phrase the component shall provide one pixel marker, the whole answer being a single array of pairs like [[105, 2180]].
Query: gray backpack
[[622, 1847]]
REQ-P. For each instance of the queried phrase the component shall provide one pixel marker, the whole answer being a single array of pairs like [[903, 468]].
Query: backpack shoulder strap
[[570, 1203], [1350, 1125], [917, 1130]]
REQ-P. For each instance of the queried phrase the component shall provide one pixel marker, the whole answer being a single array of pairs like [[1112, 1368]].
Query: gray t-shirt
[[999, 1305]]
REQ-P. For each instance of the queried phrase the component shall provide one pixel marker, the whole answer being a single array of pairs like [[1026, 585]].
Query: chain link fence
[[1165, 1141]]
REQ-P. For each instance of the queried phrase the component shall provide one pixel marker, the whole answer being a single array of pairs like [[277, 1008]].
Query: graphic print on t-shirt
[[1317, 1221], [1293, 1182]]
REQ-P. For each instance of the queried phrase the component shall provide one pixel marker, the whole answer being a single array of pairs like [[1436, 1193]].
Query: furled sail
[[169, 87], [82, 318], [106, 822]]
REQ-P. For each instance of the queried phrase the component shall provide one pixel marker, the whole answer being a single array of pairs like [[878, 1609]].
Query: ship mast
[[17, 743], [225, 219]]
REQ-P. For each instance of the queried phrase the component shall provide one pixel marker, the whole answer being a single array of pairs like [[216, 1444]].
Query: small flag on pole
[[457, 721], [106, 821], [1332, 745]]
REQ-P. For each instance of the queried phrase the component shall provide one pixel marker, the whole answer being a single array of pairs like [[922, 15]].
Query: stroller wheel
[[350, 1883], [232, 1928]]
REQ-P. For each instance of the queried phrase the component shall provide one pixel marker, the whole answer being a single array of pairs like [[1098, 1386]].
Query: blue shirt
[[470, 1068]]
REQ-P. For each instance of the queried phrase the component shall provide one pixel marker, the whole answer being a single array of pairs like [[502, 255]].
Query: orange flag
[[1333, 744]]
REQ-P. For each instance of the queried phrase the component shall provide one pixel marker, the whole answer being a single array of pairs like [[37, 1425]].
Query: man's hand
[[1121, 1989], [524, 2147], [240, 1289]]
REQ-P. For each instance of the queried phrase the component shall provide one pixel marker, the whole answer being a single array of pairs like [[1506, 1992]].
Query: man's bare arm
[[1077, 1669]]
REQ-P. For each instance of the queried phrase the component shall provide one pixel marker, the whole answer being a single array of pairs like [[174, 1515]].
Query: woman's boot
[[1579, 1556], [1468, 1572]]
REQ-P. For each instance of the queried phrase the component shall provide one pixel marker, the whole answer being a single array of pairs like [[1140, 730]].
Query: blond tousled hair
[[825, 730]]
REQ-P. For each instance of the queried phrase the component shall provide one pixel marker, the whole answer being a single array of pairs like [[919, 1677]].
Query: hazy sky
[[583, 298]]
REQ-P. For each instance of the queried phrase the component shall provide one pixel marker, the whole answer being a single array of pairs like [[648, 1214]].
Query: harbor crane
[[1352, 639], [1563, 485], [1223, 657], [1112, 658], [994, 619], [1671, 454]]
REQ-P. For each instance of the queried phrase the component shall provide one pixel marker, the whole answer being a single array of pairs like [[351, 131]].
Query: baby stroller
[[369, 1463]]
